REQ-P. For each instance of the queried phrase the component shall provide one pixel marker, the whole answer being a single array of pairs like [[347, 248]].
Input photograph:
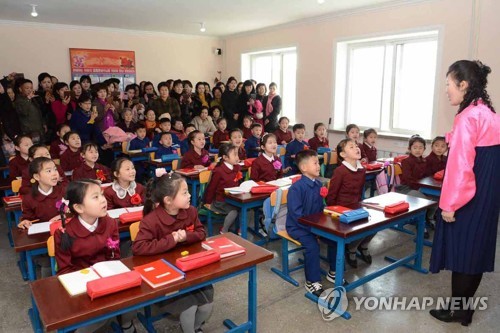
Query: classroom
[[287, 165]]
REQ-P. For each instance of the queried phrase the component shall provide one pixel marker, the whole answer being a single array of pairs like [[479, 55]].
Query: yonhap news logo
[[332, 303]]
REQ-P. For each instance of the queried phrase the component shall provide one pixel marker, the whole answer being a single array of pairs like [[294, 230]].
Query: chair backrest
[[397, 170], [52, 253], [330, 158], [282, 151], [152, 155], [134, 229], [15, 185], [175, 164], [205, 176], [124, 146], [284, 195], [249, 172]]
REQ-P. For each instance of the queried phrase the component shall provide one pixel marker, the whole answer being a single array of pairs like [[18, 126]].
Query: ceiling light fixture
[[321, 2], [202, 27], [33, 12]]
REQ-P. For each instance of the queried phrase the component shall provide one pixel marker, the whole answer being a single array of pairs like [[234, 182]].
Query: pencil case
[[354, 215], [400, 158], [373, 166], [398, 207], [149, 149], [439, 175], [322, 150], [197, 260], [130, 217], [113, 284], [263, 189], [169, 157]]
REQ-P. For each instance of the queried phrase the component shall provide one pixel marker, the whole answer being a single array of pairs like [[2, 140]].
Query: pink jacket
[[475, 126]]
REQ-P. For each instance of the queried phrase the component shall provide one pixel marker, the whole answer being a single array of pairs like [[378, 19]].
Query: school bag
[[274, 217]]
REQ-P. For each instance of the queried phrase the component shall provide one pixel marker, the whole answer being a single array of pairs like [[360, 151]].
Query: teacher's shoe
[[460, 316]]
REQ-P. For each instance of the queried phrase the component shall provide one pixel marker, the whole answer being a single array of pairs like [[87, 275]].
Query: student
[[168, 221], [165, 145], [414, 168], [203, 122], [125, 191], [283, 134], [236, 139], [185, 143], [164, 126], [346, 189], [252, 145], [352, 132], [221, 134], [196, 157], [141, 141], [247, 127], [296, 145], [71, 158], [226, 174], [107, 112], [35, 151], [320, 137], [90, 169], [215, 113], [178, 128], [304, 198], [267, 166], [436, 160], [150, 124], [57, 147], [22, 143], [127, 123], [368, 149]]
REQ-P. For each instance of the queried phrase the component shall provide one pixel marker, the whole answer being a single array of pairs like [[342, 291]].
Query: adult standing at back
[[466, 231], [272, 109], [165, 104], [229, 103]]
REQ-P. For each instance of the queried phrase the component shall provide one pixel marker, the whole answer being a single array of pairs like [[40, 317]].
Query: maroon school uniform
[[435, 163], [346, 186], [88, 248], [242, 155], [114, 201], [180, 134], [222, 177], [263, 169], [220, 136], [315, 143], [26, 180], [17, 165], [57, 147], [192, 158], [283, 136], [42, 207], [155, 230], [247, 133], [85, 171], [370, 153], [71, 160], [414, 169]]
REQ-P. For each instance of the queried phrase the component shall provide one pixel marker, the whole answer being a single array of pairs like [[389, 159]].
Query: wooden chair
[[281, 154], [52, 254], [16, 185], [206, 210], [13, 216], [329, 158], [134, 230], [175, 164]]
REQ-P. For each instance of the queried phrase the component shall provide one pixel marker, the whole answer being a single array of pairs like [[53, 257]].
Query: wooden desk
[[331, 228], [30, 246], [430, 186], [246, 201], [64, 313]]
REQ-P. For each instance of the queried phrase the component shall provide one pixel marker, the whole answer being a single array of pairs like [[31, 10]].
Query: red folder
[[197, 260], [373, 166], [113, 284], [131, 217], [55, 225], [398, 207], [224, 246], [263, 189], [400, 158], [159, 273], [439, 175], [335, 210], [12, 200]]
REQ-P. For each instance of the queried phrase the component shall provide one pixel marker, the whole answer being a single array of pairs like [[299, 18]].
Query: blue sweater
[[88, 132], [293, 148], [156, 139], [164, 151], [138, 144], [252, 147]]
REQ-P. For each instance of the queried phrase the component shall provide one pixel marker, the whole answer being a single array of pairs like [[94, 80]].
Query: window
[[387, 83], [278, 66]]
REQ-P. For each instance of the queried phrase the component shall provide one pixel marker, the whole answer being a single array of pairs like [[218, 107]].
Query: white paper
[[76, 282], [282, 182], [115, 213], [68, 173], [243, 188], [135, 209], [39, 228], [110, 268], [135, 151]]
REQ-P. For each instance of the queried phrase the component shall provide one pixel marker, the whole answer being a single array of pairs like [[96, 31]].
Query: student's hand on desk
[[198, 167], [24, 224], [181, 233], [176, 236], [448, 216]]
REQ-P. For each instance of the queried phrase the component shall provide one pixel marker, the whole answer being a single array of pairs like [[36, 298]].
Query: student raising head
[[295, 146], [268, 165], [196, 157], [125, 191], [90, 169], [71, 158], [168, 221]]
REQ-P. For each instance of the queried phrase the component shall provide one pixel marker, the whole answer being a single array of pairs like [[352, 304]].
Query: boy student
[[252, 145], [164, 126], [295, 146], [165, 145], [304, 198]]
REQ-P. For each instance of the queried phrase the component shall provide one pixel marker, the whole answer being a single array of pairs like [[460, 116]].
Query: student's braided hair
[[158, 188]]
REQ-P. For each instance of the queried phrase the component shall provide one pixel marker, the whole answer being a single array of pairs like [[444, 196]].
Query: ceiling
[[221, 17]]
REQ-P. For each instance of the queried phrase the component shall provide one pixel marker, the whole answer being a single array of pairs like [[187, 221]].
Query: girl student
[[168, 221], [90, 169], [320, 137], [41, 204], [35, 151], [267, 166], [196, 157], [236, 139], [22, 144], [247, 124], [57, 147], [226, 174], [368, 149], [125, 191], [436, 160], [413, 169], [346, 188], [283, 134], [71, 158]]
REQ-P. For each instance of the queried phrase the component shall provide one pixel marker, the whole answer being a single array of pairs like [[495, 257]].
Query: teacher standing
[[466, 232]]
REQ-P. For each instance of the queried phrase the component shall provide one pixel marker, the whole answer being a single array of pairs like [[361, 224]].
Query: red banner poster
[[102, 62]]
